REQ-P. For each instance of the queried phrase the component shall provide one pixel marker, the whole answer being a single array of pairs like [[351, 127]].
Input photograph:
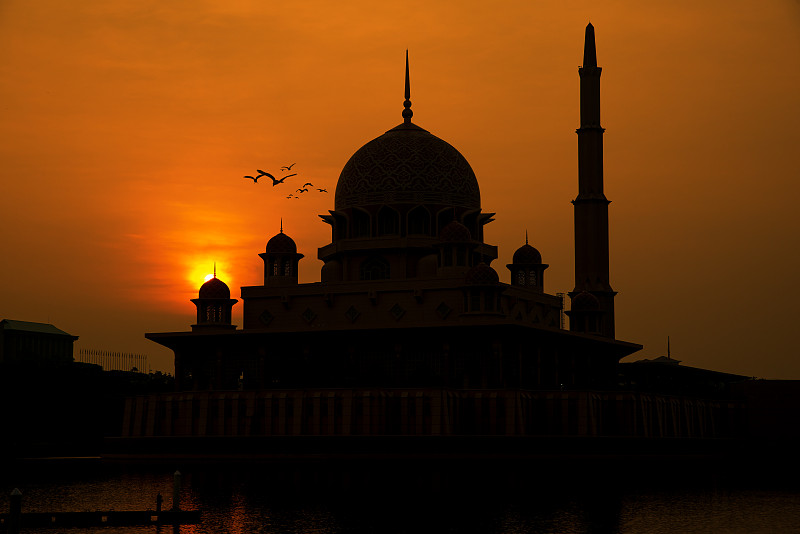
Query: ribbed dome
[[281, 244], [526, 255], [407, 164], [481, 275], [214, 289], [585, 301], [455, 232]]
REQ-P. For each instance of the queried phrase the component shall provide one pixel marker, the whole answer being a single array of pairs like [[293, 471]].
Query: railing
[[113, 361]]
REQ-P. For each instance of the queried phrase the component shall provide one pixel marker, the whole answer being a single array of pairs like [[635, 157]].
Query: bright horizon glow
[[197, 274]]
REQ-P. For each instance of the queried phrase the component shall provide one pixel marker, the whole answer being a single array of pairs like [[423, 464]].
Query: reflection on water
[[404, 496], [731, 511]]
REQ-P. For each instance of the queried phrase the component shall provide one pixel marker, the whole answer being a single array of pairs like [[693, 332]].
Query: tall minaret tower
[[592, 299]]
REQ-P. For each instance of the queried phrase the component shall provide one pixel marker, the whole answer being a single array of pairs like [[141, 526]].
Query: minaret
[[591, 207]]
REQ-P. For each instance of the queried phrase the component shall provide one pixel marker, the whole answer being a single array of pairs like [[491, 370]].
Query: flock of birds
[[276, 181]]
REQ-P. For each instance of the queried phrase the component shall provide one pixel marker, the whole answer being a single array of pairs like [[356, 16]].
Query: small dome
[[585, 301], [215, 289], [481, 275], [526, 255], [332, 271], [281, 244], [455, 232]]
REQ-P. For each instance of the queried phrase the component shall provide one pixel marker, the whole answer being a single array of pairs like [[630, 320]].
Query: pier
[[14, 520], [97, 519]]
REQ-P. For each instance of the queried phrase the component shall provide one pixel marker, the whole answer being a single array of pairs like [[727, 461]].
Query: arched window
[[388, 221], [287, 271], [375, 268], [520, 278], [361, 223], [531, 278], [275, 267], [419, 221]]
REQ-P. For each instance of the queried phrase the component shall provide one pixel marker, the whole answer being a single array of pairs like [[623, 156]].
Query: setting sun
[[201, 271]]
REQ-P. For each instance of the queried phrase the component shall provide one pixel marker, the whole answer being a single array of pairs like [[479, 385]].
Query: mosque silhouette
[[410, 341]]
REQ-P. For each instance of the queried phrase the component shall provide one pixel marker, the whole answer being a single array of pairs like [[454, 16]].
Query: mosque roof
[[27, 326], [407, 164]]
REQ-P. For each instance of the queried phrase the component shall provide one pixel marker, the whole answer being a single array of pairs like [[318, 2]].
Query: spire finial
[[526, 236], [281, 224], [215, 269], [589, 49], [407, 113], [668, 354]]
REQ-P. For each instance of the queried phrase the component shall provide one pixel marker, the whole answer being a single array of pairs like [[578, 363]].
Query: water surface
[[494, 497]]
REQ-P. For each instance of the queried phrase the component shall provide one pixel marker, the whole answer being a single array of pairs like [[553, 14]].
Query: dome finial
[[526, 236], [281, 224], [215, 269], [407, 113]]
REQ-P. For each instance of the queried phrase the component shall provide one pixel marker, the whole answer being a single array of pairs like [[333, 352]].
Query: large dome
[[407, 164]]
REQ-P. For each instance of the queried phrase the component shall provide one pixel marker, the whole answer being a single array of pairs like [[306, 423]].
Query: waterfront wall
[[328, 412]]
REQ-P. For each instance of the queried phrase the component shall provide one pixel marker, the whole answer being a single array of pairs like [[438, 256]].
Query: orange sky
[[127, 126]]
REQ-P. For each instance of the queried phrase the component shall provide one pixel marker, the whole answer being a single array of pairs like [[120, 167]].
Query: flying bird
[[302, 191], [308, 183], [287, 167], [275, 181], [322, 190], [254, 178]]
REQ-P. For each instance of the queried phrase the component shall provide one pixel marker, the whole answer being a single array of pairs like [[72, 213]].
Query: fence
[[114, 361]]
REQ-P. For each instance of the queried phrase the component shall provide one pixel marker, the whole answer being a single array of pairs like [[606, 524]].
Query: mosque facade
[[409, 330]]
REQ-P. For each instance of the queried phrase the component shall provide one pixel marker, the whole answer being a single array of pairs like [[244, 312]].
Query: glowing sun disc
[[208, 277]]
